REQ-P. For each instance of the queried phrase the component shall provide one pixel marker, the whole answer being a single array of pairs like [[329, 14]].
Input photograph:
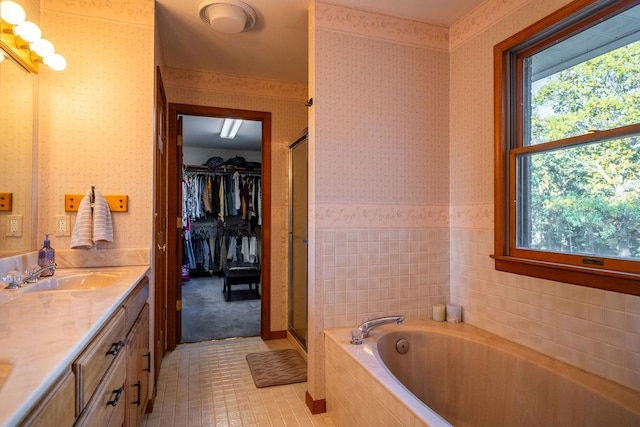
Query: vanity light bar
[[22, 40]]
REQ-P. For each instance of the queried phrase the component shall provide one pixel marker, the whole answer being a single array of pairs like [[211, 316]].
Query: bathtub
[[456, 374]]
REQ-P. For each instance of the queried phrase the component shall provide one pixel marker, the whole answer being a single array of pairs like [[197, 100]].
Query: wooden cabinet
[[57, 408], [108, 383], [122, 392], [107, 406], [138, 368], [92, 364]]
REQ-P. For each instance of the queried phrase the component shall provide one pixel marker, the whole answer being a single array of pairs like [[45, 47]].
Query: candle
[[454, 313], [438, 312]]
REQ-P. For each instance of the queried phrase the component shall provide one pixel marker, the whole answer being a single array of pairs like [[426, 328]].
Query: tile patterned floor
[[209, 384]]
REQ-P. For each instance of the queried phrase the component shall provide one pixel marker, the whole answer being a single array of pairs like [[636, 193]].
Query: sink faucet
[[367, 326], [15, 280], [34, 274]]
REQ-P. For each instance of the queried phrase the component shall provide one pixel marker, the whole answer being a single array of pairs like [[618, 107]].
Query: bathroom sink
[[75, 282]]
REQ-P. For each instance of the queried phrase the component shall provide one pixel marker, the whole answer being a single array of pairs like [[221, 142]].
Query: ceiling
[[274, 49]]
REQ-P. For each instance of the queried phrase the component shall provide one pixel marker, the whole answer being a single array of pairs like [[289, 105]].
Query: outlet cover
[[14, 226], [62, 225]]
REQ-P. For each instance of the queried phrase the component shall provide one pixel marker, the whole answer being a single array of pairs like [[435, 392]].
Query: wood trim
[[315, 406], [160, 271], [592, 278], [277, 335], [265, 305], [173, 236], [507, 129], [175, 190]]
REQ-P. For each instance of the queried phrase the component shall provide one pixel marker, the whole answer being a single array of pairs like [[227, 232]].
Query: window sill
[[583, 276]]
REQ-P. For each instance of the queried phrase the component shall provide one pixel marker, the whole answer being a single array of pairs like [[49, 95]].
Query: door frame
[[158, 248], [174, 236]]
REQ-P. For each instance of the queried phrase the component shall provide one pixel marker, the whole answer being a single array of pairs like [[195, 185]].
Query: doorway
[[222, 227], [175, 243]]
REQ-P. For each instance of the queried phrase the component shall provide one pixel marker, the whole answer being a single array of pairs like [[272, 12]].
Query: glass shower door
[[298, 211]]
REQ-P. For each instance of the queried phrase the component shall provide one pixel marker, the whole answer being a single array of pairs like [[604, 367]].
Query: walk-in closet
[[221, 228]]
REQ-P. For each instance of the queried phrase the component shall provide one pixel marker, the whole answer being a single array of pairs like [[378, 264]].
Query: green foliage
[[586, 199]]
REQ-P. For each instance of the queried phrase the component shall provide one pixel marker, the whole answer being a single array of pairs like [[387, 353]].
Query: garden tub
[[457, 374]]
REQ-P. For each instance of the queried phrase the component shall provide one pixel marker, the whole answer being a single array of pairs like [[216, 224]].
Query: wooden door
[[160, 228], [174, 238]]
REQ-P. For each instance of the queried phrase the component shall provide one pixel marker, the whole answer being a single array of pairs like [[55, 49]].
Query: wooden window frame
[[616, 275]]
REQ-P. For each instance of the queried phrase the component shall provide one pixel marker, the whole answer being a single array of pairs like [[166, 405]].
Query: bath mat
[[278, 367]]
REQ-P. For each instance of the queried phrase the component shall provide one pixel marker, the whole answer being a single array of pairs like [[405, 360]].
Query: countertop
[[43, 332]]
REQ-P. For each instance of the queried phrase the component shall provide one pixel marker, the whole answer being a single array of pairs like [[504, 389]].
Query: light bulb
[[12, 12], [56, 62], [28, 31], [42, 47]]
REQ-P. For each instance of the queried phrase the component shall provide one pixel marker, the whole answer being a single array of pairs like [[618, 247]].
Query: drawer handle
[[116, 347], [137, 402], [148, 356], [118, 394]]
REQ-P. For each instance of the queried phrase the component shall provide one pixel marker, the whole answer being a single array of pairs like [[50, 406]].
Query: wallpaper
[[383, 138], [379, 184], [595, 330], [96, 121], [135, 12], [374, 25], [285, 101], [391, 159]]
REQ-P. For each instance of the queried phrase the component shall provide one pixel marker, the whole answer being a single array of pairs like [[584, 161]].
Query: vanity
[[75, 349]]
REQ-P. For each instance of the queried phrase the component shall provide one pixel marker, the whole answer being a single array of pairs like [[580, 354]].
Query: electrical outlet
[[62, 225], [14, 225]]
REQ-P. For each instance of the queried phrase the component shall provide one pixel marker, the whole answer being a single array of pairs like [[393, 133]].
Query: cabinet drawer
[[94, 361], [135, 301], [107, 407]]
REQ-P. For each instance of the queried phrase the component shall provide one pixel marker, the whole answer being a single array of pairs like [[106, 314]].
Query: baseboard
[[150, 403], [315, 406], [277, 335]]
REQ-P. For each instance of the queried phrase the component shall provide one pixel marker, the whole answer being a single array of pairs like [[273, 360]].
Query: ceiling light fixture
[[230, 128], [228, 16]]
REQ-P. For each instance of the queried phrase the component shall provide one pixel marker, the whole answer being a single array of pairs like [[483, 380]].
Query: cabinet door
[[138, 368], [58, 407]]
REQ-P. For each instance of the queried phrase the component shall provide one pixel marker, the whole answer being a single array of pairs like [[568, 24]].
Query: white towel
[[93, 223], [82, 235], [102, 224]]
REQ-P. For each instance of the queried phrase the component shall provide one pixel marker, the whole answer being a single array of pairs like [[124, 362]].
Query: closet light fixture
[[22, 40], [228, 16], [230, 128]]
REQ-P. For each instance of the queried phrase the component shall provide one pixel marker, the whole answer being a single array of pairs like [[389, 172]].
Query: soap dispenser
[[46, 256]]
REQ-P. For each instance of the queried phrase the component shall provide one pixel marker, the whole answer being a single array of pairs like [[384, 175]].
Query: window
[[567, 97]]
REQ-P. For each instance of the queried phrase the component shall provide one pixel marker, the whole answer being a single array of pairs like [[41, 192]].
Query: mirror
[[17, 142]]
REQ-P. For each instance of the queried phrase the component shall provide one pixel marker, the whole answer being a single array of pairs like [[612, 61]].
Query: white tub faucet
[[367, 326]]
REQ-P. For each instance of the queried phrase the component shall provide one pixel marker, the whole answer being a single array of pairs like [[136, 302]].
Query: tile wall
[[372, 273], [378, 236], [598, 331]]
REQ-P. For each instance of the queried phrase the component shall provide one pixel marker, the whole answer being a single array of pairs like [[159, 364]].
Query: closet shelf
[[221, 169]]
